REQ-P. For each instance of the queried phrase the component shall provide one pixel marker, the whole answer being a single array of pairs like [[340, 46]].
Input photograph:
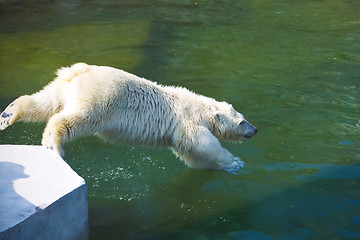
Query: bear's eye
[[242, 122]]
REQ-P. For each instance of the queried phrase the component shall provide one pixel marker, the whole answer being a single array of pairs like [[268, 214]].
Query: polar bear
[[121, 107]]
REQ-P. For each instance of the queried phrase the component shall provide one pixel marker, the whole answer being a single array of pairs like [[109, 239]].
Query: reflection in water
[[291, 67]]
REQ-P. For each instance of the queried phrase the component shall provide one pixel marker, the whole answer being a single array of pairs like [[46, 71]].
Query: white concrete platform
[[41, 197]]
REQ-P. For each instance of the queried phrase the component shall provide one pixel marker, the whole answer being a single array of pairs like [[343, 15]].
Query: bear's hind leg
[[37, 107], [63, 127]]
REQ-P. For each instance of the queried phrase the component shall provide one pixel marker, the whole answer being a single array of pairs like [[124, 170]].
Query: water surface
[[291, 67]]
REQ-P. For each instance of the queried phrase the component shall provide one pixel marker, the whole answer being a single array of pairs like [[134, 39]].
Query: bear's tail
[[68, 73]]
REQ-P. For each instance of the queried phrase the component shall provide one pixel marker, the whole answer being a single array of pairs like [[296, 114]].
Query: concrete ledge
[[41, 197]]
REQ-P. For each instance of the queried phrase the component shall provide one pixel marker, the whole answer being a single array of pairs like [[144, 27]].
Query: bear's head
[[231, 125]]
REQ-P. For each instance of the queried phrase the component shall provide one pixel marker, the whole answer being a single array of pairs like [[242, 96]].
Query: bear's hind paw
[[9, 115], [6, 119]]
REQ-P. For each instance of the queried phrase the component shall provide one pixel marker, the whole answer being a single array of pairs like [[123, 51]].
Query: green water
[[291, 67]]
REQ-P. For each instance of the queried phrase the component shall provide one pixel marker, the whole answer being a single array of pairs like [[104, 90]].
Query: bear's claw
[[49, 142]]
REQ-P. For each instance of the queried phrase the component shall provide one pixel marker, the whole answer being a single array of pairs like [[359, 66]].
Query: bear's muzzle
[[250, 130]]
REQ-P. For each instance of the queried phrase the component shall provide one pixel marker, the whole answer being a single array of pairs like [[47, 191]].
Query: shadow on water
[[321, 206], [195, 206], [171, 22]]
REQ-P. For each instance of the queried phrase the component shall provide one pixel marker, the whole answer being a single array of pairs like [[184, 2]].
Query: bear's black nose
[[251, 133]]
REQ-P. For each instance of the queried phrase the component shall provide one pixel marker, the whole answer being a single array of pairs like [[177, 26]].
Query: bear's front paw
[[8, 116], [234, 166]]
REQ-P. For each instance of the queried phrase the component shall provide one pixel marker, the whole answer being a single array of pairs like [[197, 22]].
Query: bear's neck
[[194, 108]]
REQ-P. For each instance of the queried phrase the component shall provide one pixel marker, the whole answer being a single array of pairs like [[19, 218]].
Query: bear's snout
[[250, 130]]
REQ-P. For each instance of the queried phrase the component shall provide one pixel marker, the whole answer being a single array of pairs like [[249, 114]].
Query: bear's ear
[[219, 117]]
